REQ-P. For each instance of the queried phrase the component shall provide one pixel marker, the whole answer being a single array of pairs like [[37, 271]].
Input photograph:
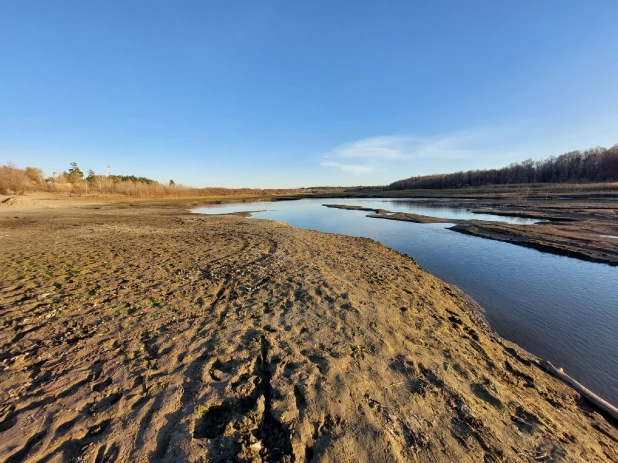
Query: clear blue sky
[[300, 93]]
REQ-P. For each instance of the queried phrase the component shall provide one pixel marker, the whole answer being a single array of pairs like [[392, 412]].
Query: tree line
[[14, 180], [589, 166]]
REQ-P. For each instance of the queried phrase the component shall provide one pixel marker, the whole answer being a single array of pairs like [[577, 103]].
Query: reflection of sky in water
[[609, 236], [393, 205], [561, 309]]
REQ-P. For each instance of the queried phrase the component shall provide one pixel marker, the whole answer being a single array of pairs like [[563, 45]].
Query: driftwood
[[586, 393]]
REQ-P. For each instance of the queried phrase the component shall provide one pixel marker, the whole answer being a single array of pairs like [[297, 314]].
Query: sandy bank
[[581, 241], [140, 334], [386, 214]]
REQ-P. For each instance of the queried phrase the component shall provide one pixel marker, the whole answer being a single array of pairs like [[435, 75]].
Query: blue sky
[[302, 93]]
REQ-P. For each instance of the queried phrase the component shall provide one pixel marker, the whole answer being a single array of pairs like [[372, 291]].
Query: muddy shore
[[386, 214], [580, 228], [140, 333], [583, 228]]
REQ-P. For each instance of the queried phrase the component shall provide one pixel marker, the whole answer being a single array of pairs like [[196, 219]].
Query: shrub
[[12, 180], [17, 181]]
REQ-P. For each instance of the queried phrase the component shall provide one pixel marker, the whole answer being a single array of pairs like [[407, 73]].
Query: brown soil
[[388, 215], [356, 208], [582, 240], [407, 217], [575, 228], [148, 334]]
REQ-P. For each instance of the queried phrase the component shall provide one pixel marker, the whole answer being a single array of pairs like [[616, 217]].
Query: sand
[[149, 334]]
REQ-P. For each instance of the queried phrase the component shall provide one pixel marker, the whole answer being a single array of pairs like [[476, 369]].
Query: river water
[[559, 308]]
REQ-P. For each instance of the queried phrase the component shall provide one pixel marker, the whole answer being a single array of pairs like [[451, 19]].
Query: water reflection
[[394, 205]]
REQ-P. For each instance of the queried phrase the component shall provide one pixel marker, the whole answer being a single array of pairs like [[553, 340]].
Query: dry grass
[[522, 189], [16, 181]]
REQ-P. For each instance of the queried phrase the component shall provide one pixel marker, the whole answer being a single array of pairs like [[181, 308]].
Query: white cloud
[[374, 153], [390, 157], [352, 168], [385, 147]]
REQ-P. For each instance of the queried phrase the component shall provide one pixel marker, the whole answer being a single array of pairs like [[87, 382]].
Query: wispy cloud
[[371, 154], [352, 168]]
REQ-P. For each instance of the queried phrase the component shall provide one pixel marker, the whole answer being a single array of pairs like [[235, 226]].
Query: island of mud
[[581, 227]]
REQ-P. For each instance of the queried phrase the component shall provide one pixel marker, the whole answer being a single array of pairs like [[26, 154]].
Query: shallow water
[[393, 205], [559, 308]]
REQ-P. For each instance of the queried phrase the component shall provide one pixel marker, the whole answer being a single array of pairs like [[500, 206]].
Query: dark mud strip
[[576, 249]]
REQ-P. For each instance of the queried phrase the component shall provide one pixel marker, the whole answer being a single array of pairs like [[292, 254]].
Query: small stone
[[217, 375], [256, 447]]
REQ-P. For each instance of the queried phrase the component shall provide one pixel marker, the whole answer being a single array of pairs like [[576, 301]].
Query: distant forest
[[592, 165]]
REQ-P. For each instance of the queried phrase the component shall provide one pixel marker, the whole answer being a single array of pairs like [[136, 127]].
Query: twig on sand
[[399, 383], [597, 401]]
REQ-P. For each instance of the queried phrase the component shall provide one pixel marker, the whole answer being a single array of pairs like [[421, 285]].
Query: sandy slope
[[152, 335]]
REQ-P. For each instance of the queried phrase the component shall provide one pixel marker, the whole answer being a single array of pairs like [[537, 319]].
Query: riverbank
[[583, 228], [577, 227], [146, 333]]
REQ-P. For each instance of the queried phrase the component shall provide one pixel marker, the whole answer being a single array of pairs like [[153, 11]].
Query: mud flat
[[356, 208], [149, 334], [580, 240], [577, 228], [386, 214], [406, 217], [583, 229]]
